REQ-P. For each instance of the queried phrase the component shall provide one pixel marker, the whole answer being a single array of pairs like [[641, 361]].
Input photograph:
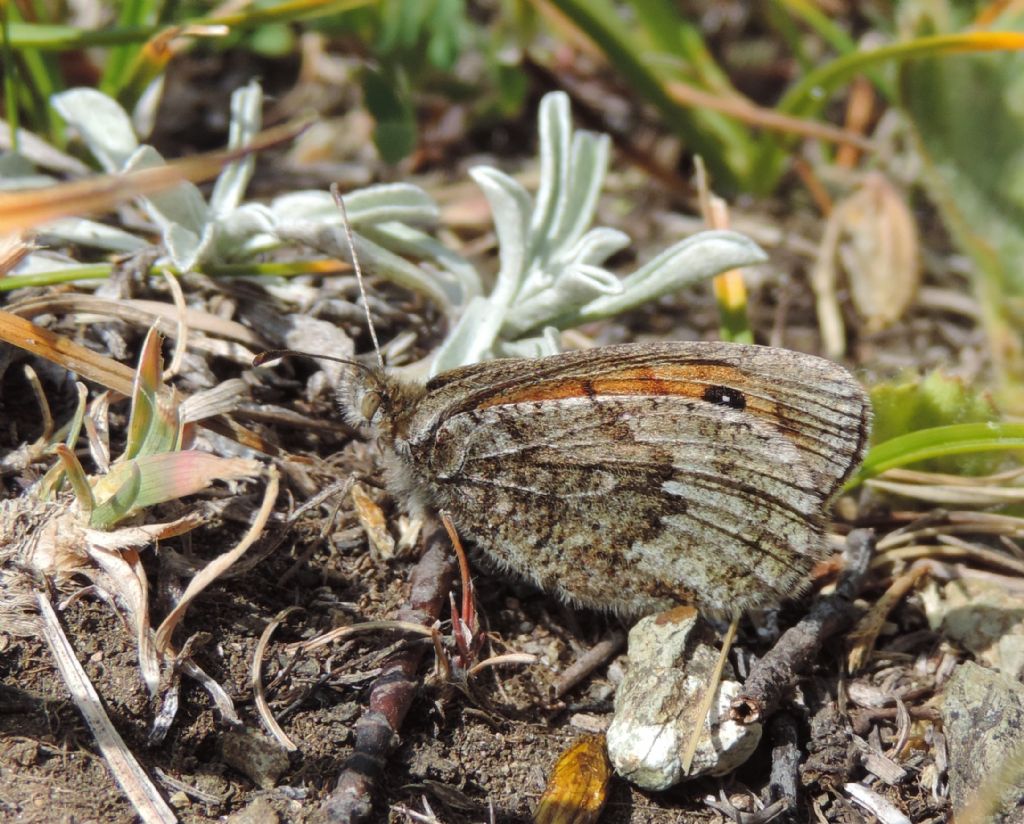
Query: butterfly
[[634, 477]]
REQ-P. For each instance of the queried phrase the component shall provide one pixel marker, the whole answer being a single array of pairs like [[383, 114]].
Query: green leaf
[[123, 502], [72, 469], [387, 100], [728, 148], [939, 442], [936, 400], [969, 121], [273, 40]]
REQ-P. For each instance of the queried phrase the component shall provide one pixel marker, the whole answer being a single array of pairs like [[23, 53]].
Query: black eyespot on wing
[[725, 396]]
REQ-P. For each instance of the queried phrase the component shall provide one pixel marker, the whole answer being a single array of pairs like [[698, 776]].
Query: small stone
[[259, 811], [982, 716], [982, 617], [671, 659], [259, 758], [589, 723]]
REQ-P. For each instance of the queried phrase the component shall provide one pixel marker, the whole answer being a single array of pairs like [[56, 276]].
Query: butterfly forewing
[[633, 477]]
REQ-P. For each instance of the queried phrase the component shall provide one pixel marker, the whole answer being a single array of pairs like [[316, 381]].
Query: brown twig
[[392, 693], [784, 783], [773, 674], [597, 655]]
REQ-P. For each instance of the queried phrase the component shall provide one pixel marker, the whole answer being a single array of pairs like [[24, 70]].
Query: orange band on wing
[[680, 380]]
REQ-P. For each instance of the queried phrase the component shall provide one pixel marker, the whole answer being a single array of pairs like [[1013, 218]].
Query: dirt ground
[[466, 753], [481, 755]]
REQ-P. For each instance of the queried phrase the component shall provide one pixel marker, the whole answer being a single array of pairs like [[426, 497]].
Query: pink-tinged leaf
[[172, 475], [153, 426], [154, 479], [143, 395]]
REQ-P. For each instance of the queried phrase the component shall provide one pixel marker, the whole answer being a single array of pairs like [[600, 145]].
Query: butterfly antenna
[[359, 271]]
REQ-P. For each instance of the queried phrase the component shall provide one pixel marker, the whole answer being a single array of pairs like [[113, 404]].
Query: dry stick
[[593, 658], [785, 777], [392, 693], [773, 674]]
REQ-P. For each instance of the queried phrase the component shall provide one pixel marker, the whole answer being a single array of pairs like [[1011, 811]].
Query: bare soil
[[477, 756]]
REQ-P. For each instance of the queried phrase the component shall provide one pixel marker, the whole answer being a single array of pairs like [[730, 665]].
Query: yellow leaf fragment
[[371, 518], [578, 785]]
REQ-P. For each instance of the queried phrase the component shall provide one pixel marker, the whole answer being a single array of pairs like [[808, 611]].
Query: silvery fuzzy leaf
[[182, 204], [555, 128], [308, 204], [539, 278], [510, 210], [471, 339], [246, 121], [44, 262], [573, 288], [23, 182], [596, 246], [245, 231], [458, 276], [695, 259], [588, 164], [391, 202], [103, 124], [90, 233], [35, 152], [332, 240], [184, 247], [145, 111], [548, 343], [16, 167], [179, 212], [374, 204]]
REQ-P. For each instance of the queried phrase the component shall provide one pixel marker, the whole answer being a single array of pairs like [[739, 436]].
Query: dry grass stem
[[127, 771], [219, 565], [262, 707]]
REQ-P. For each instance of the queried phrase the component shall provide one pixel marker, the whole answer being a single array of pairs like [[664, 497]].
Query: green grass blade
[[134, 14], [10, 75], [58, 37], [810, 94], [938, 442], [729, 151]]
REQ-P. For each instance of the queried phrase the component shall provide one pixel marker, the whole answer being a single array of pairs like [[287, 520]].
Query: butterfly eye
[[370, 404]]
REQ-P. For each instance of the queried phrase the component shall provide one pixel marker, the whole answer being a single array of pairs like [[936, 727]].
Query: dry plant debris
[[878, 723]]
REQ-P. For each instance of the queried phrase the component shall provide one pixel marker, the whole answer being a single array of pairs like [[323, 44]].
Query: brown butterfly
[[630, 477]]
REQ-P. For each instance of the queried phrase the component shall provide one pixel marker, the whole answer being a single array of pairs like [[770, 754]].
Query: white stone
[[671, 658]]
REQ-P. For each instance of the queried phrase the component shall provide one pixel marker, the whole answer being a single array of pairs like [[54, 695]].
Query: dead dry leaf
[[371, 518], [578, 785]]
